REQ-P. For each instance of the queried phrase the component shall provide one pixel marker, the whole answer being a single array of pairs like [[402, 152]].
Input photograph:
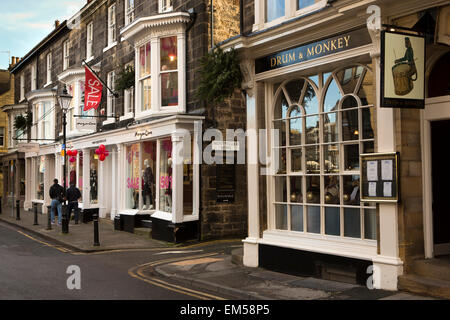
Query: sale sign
[[93, 91]]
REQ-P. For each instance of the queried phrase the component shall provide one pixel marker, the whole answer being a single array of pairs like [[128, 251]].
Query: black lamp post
[[64, 101]]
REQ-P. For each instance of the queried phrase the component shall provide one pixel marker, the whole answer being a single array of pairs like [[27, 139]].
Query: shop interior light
[[172, 57], [356, 132]]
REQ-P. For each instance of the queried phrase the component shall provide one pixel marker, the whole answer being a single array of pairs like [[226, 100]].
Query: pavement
[[217, 268]]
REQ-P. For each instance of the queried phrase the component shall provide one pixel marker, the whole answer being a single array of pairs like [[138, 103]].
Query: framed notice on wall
[[402, 70], [379, 177]]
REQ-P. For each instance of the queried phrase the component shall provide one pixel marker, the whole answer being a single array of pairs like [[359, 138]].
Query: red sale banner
[[92, 91]]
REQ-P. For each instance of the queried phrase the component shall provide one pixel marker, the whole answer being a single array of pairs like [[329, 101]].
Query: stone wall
[[226, 19]]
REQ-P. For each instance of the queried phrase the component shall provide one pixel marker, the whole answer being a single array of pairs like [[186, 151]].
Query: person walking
[[73, 195], [57, 196]]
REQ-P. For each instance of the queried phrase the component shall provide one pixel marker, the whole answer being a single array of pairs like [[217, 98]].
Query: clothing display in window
[[93, 184], [147, 194]]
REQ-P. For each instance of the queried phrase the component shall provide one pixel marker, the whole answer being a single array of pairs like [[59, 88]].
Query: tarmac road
[[33, 268]]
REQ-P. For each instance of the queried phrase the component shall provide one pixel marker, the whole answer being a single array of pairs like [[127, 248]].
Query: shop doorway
[[440, 159]]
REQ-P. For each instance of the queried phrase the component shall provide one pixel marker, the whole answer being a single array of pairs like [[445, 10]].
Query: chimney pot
[[56, 24]]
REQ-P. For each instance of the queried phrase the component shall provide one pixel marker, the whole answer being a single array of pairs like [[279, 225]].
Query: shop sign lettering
[[313, 50], [142, 133], [133, 183]]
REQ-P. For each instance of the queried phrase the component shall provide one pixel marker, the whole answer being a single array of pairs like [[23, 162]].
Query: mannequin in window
[[147, 175], [93, 183]]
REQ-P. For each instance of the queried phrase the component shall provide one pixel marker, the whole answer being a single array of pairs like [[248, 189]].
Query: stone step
[[146, 232], [424, 286], [146, 223], [438, 268], [237, 256]]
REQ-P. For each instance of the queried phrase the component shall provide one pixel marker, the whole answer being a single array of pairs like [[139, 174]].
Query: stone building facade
[[145, 127]]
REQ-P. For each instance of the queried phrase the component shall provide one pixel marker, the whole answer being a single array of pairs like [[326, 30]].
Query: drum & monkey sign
[[402, 70]]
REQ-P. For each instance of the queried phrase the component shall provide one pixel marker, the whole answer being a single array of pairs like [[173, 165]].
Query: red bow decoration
[[72, 154], [102, 152]]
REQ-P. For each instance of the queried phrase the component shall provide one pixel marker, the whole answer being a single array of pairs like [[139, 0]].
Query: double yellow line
[[138, 273], [60, 248]]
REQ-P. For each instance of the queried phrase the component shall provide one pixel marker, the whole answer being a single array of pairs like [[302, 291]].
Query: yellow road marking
[[45, 243], [195, 261]]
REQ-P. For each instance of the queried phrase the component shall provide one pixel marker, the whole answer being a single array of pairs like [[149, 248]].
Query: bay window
[[316, 148], [43, 120], [169, 72], [145, 76]]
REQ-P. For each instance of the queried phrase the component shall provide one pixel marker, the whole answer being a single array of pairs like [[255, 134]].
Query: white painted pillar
[[114, 173], [120, 178], [86, 178], [387, 266], [251, 258], [48, 181], [177, 178], [101, 187], [28, 163], [181, 44]]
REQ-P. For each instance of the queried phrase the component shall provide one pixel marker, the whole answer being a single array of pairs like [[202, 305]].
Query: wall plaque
[[225, 182]]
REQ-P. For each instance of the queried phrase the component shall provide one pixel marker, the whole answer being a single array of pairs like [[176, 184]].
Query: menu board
[[379, 177], [225, 182]]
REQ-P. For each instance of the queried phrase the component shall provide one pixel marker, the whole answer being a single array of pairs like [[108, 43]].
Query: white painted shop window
[[49, 68], [65, 55], [89, 40], [324, 123], [129, 11], [165, 6], [111, 24]]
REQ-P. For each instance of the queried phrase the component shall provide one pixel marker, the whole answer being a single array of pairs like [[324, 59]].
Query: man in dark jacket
[[73, 195], [57, 196]]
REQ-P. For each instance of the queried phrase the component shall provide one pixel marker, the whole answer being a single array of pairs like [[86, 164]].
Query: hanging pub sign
[[314, 50], [379, 177], [402, 70]]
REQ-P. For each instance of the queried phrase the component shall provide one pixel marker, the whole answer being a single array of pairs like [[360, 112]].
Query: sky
[[24, 23]]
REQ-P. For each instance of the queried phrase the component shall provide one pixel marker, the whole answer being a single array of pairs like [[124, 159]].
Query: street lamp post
[[64, 101]]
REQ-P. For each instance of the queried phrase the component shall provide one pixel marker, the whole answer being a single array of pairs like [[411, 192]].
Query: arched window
[[323, 123]]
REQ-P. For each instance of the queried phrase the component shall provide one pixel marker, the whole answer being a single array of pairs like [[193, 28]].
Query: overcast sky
[[24, 23]]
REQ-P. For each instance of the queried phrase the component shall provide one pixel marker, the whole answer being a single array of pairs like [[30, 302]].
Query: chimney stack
[[56, 24]]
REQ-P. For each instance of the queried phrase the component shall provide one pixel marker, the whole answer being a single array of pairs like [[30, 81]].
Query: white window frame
[[66, 54], [89, 41], [110, 99], [165, 6], [33, 76], [291, 11], [49, 68], [111, 24], [155, 74], [22, 87], [129, 11]]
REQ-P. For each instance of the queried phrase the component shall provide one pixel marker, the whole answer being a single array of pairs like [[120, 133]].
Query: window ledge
[[127, 116], [90, 59], [110, 46], [109, 121]]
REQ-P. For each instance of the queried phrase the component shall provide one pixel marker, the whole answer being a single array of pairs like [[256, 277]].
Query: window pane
[[141, 61], [148, 57], [312, 129], [349, 78], [274, 9], [295, 134], [304, 3], [296, 189], [80, 173], [40, 169], [280, 189], [312, 159], [365, 92], [369, 147], [280, 160], [330, 129], [331, 156], [310, 102], [148, 166], [169, 53], [165, 176], [350, 125], [331, 189], [295, 112], [351, 157], [352, 222], [370, 224], [93, 177], [280, 132], [332, 97], [368, 123], [132, 177], [146, 94], [313, 219], [297, 218], [188, 177], [281, 107], [332, 221], [169, 89], [296, 160], [281, 216], [294, 89], [313, 189], [349, 102], [351, 190], [72, 174]]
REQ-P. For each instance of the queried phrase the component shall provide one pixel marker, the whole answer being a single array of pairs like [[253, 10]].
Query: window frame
[[163, 8], [66, 55], [2, 137], [112, 34], [89, 41], [129, 12], [49, 68], [342, 173]]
